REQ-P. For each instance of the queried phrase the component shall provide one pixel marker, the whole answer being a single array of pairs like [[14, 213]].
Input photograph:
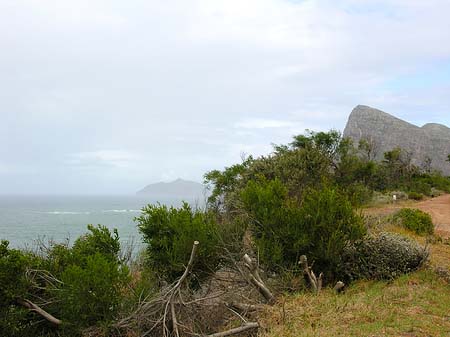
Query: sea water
[[24, 219]]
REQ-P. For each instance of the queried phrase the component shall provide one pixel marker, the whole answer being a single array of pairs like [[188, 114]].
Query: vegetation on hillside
[[298, 204]]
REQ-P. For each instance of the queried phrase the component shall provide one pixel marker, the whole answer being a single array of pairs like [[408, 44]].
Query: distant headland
[[177, 189]]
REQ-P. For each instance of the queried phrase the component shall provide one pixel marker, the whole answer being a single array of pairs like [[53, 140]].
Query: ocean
[[24, 219]]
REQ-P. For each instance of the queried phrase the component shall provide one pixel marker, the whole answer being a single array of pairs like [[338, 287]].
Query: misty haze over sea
[[23, 219]]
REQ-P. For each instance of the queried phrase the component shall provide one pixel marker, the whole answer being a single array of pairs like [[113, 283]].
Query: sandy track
[[439, 209]]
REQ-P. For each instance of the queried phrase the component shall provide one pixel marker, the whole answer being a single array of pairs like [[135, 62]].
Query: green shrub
[[170, 234], [91, 292], [415, 196], [359, 194], [331, 222], [99, 240], [92, 278], [384, 256], [420, 186], [283, 230], [13, 264], [415, 220], [16, 321]]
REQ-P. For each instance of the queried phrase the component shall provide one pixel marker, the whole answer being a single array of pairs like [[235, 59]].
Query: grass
[[413, 305]]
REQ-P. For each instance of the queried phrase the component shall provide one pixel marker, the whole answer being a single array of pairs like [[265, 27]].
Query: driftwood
[[256, 280], [33, 307], [316, 282]]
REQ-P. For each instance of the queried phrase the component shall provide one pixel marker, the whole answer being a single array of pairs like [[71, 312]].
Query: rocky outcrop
[[386, 132]]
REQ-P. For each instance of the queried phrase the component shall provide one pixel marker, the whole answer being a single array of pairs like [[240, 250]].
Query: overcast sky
[[106, 96]]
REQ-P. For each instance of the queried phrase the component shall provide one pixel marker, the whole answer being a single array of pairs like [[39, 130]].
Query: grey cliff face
[[387, 132]]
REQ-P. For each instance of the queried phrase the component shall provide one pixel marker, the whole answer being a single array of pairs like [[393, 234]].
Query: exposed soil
[[438, 208]]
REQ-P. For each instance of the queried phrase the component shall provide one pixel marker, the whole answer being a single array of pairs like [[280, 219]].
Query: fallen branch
[[242, 307], [256, 280], [245, 327], [33, 307]]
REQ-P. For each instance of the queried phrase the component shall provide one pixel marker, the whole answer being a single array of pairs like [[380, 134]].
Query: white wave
[[67, 213], [121, 211]]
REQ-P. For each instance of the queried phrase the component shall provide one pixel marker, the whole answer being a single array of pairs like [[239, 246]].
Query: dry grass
[[413, 305]]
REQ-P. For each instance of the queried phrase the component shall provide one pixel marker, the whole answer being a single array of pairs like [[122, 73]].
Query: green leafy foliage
[[170, 234], [13, 285], [415, 220], [91, 290], [415, 196], [284, 230], [92, 277], [13, 264], [382, 256]]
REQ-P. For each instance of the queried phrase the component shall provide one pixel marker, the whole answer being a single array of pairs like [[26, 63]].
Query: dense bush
[[92, 277], [92, 291], [170, 234], [384, 256], [82, 285], [415, 196], [284, 230], [13, 264], [415, 220], [13, 286]]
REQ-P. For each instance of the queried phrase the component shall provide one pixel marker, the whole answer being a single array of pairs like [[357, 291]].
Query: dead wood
[[316, 282], [256, 280], [33, 307], [245, 327]]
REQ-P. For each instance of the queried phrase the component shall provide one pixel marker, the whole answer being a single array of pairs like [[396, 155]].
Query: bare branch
[[256, 280], [316, 283], [33, 307], [245, 327]]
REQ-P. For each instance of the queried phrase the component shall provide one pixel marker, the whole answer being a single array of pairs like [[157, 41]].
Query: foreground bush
[[415, 220], [384, 256], [13, 264], [80, 285], [170, 234], [92, 291], [13, 285], [284, 230]]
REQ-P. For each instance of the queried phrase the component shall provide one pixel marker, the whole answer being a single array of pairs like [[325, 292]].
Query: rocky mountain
[[387, 132], [178, 189]]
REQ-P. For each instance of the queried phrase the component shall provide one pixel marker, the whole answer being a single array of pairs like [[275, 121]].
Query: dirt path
[[438, 208]]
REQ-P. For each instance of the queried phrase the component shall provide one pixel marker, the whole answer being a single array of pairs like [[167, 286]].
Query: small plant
[[384, 256], [415, 220]]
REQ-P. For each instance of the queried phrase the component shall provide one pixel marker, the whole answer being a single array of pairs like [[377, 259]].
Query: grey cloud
[[186, 86]]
